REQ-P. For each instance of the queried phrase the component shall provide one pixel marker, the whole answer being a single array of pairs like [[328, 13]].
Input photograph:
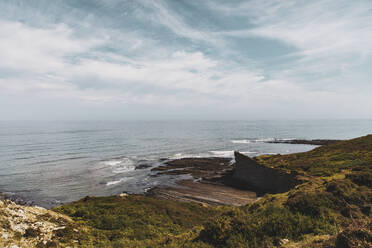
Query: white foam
[[248, 141], [223, 154], [116, 182], [243, 141], [248, 152], [178, 155], [112, 162], [265, 140], [121, 165], [187, 155], [219, 154], [228, 154]]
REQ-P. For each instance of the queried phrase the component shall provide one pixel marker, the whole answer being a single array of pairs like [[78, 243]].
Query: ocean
[[50, 163]]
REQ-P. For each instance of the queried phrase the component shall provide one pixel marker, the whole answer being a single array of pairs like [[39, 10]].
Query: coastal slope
[[329, 205], [30, 226]]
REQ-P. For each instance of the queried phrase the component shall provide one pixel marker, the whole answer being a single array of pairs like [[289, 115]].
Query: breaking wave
[[121, 165], [248, 141]]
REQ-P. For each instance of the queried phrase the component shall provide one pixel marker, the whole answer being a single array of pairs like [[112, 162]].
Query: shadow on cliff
[[248, 174]]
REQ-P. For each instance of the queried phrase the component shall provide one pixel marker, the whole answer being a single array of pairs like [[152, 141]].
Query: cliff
[[249, 174]]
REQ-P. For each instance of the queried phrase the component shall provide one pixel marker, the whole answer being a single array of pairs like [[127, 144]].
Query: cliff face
[[249, 174]]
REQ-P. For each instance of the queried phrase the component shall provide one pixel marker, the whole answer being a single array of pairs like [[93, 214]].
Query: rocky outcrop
[[28, 226], [248, 174], [206, 168], [207, 186]]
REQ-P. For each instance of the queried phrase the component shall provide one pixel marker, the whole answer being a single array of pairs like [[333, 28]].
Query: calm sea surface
[[49, 163]]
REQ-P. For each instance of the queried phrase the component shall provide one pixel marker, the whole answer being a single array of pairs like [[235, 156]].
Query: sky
[[185, 59]]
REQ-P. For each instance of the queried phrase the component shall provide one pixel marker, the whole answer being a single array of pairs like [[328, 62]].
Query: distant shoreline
[[318, 142]]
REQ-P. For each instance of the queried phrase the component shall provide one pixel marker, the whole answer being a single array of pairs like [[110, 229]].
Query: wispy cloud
[[161, 14], [344, 28], [58, 62], [39, 50], [149, 53], [327, 34]]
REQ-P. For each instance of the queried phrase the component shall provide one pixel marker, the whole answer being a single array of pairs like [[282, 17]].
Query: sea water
[[49, 163]]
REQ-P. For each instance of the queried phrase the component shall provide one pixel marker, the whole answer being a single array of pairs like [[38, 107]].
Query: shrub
[[262, 227], [355, 236], [31, 233], [117, 220], [312, 204], [361, 178]]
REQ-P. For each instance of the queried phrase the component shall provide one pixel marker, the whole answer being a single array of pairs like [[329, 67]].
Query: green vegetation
[[263, 224], [331, 207], [336, 193], [311, 209], [327, 160], [133, 221]]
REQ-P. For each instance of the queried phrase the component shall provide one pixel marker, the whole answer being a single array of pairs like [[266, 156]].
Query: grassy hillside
[[355, 154], [332, 207], [336, 195], [135, 221]]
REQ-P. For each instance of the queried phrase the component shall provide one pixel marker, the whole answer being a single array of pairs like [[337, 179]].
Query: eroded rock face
[[249, 174], [27, 226]]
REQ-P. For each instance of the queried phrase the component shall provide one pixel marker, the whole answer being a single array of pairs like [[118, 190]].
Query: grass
[[135, 221], [336, 193], [323, 211], [326, 160]]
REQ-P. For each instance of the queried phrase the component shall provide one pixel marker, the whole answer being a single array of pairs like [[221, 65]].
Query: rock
[[143, 166], [205, 193], [248, 174], [196, 167], [4, 235], [283, 242], [318, 142], [26, 226]]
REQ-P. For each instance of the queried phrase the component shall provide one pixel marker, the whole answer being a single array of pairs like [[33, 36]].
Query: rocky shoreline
[[211, 179], [317, 142], [220, 181], [205, 170], [322, 197], [208, 185]]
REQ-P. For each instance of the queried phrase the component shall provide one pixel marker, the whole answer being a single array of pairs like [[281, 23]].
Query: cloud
[[151, 54], [325, 33], [344, 28], [54, 62], [39, 50], [161, 14]]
